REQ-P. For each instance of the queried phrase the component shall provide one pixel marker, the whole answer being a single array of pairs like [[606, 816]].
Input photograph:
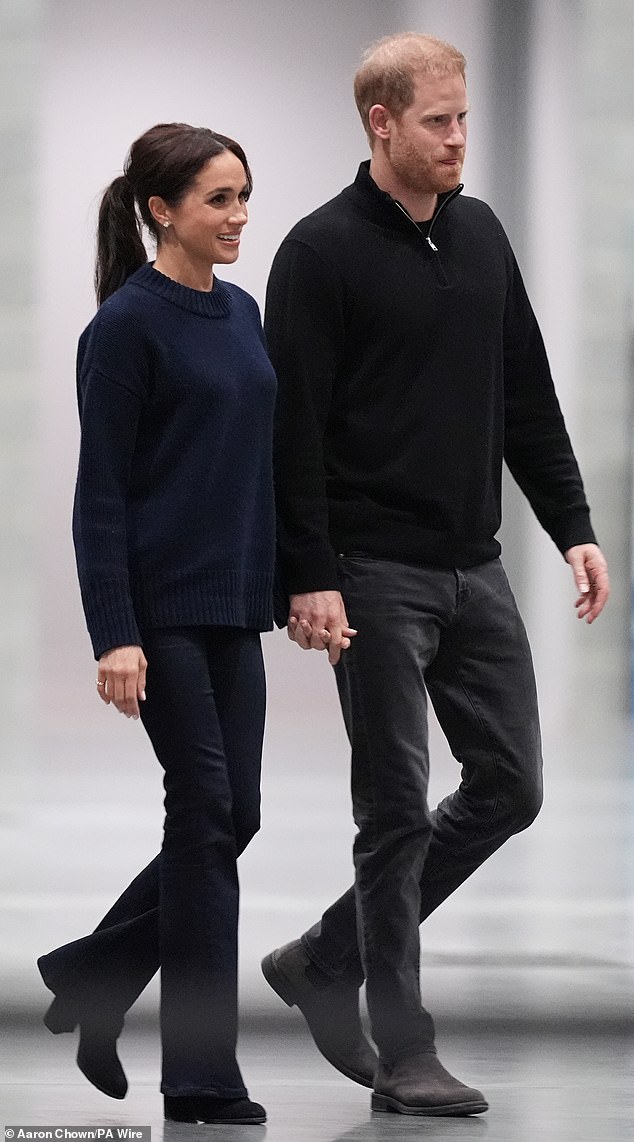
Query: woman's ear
[[159, 210]]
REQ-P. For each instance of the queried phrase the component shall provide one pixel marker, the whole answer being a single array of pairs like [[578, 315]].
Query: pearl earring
[[166, 224]]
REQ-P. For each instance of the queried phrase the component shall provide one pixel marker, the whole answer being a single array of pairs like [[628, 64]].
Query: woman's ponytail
[[120, 249]]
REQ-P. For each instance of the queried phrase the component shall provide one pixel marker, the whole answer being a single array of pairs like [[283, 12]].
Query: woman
[[174, 538]]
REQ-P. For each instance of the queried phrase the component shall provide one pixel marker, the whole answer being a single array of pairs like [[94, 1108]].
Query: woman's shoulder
[[116, 341], [123, 307], [242, 301], [122, 317]]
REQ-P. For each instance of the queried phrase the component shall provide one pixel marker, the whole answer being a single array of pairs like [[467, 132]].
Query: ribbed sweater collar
[[216, 303]]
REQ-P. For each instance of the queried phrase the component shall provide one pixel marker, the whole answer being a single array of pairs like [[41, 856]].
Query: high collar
[[385, 209], [215, 303]]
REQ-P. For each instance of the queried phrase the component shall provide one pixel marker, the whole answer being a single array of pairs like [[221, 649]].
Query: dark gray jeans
[[457, 636]]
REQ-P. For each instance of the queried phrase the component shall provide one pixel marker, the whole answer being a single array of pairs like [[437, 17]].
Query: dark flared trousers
[[204, 715], [456, 636]]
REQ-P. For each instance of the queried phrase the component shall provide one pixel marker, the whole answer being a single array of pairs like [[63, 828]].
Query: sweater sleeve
[[304, 331], [537, 447], [109, 412]]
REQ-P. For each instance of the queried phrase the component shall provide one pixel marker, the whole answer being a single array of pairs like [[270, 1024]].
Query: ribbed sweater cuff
[[307, 570], [575, 528], [110, 615]]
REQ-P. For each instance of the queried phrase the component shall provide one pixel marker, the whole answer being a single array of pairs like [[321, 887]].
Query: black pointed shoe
[[421, 1085], [210, 1109], [330, 1008]]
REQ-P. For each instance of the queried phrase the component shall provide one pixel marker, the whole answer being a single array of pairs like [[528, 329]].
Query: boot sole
[[257, 1120], [284, 988], [385, 1102], [192, 1111]]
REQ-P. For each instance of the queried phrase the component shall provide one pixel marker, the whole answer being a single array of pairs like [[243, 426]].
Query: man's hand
[[121, 679], [591, 576], [318, 621]]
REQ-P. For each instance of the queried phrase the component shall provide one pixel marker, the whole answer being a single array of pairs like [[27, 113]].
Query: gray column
[[604, 113], [19, 71]]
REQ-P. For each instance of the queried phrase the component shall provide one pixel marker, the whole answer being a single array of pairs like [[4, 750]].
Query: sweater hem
[[213, 598]]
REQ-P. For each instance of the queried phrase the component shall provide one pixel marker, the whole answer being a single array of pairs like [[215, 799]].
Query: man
[[410, 365]]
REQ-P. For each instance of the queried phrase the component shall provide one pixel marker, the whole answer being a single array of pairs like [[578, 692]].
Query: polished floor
[[558, 1085]]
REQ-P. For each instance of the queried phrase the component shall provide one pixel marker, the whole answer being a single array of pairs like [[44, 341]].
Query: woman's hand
[[121, 679], [318, 621]]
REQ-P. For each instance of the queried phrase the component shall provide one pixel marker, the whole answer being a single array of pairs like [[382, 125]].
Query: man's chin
[[450, 176]]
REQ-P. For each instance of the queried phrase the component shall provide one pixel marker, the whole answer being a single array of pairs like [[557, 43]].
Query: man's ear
[[380, 119]]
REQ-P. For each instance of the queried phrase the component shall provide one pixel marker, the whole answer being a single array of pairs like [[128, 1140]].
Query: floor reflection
[[569, 1085]]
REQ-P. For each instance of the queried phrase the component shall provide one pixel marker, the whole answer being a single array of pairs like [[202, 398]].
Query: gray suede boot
[[421, 1085], [330, 1008]]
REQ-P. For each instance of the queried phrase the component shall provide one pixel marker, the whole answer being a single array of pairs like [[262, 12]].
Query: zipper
[[445, 202]]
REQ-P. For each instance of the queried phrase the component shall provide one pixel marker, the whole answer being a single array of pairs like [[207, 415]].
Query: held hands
[[121, 679], [318, 621], [591, 576]]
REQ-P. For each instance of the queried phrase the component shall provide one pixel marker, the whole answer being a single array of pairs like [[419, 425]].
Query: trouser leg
[[113, 964], [382, 691], [482, 686], [109, 968], [203, 682], [122, 954]]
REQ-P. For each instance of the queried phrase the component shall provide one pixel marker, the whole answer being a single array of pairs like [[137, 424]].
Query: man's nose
[[456, 133]]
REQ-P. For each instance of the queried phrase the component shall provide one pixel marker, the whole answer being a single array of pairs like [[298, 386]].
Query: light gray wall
[[550, 147], [573, 155], [19, 105], [604, 137]]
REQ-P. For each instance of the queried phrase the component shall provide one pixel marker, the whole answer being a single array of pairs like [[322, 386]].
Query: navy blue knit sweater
[[173, 520]]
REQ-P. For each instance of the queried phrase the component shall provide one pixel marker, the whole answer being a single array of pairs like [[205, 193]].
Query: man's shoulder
[[342, 215], [476, 210], [242, 301], [337, 214]]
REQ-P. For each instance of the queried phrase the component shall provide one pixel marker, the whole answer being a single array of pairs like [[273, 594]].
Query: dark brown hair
[[164, 162]]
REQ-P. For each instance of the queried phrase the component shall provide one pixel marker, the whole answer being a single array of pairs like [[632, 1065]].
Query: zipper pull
[[430, 243]]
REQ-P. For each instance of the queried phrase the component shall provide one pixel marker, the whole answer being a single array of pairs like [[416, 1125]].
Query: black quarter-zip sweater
[[409, 365]]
